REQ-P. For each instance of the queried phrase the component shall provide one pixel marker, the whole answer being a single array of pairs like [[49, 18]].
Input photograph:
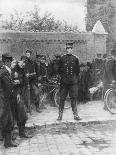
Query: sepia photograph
[[57, 77]]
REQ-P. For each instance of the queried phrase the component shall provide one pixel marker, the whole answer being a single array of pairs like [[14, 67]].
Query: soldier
[[31, 70], [68, 70], [6, 101]]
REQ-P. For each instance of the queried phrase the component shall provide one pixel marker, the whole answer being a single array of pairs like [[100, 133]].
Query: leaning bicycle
[[110, 98], [51, 88]]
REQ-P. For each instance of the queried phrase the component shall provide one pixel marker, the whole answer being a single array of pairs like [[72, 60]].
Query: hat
[[23, 57], [28, 51], [6, 57], [38, 56], [57, 56], [69, 44]]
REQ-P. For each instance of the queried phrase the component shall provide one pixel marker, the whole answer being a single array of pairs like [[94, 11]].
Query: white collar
[[8, 69]]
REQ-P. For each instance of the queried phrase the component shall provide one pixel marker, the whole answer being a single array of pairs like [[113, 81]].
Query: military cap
[[82, 65], [57, 56], [6, 56], [43, 57], [69, 44], [28, 51], [38, 56], [23, 57]]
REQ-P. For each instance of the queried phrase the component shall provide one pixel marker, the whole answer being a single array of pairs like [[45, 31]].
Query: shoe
[[38, 110], [10, 145], [24, 135], [60, 116], [8, 141], [77, 118]]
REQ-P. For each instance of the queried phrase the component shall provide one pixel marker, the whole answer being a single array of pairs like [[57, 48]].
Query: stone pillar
[[100, 36]]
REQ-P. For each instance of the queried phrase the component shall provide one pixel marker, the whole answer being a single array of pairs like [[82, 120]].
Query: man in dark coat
[[6, 101], [68, 70], [109, 70], [31, 70], [18, 92]]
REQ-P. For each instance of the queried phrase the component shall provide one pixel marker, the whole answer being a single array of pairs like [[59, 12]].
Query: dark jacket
[[109, 71], [31, 67], [69, 69], [6, 100], [6, 82]]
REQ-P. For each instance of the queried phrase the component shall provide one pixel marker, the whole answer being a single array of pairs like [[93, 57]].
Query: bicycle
[[53, 89], [110, 98]]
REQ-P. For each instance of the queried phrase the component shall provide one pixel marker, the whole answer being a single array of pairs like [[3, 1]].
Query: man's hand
[[27, 75], [16, 82], [39, 78]]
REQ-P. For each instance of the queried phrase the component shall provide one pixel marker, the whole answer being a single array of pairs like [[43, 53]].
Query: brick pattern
[[86, 45]]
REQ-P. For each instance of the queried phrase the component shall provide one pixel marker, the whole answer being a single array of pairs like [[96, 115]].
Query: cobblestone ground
[[94, 135], [68, 139]]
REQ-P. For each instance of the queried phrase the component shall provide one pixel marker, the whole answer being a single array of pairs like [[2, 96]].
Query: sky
[[71, 11]]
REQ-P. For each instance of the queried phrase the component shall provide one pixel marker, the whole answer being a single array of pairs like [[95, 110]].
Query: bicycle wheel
[[57, 100], [110, 100]]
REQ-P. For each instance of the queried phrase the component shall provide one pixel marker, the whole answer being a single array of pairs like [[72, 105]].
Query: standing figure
[[6, 101], [109, 70], [20, 111], [68, 70], [31, 70]]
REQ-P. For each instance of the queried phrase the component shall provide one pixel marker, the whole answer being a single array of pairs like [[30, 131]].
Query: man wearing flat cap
[[6, 101], [68, 70]]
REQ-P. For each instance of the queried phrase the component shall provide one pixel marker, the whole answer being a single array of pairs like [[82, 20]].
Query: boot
[[76, 117], [1, 136], [74, 109], [22, 133], [60, 116], [8, 141]]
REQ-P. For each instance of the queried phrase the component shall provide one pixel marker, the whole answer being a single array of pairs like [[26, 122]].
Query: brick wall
[[86, 45]]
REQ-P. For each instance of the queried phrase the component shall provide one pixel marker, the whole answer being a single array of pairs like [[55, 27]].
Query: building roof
[[98, 28]]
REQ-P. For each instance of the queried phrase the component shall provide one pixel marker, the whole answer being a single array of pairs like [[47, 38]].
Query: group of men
[[17, 78]]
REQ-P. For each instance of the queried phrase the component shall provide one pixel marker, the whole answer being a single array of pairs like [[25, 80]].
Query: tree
[[33, 21]]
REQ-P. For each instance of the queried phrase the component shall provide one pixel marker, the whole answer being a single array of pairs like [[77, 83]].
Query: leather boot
[[76, 117], [8, 141], [60, 116], [22, 133], [74, 109]]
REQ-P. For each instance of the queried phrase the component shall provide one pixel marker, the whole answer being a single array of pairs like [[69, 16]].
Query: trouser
[[7, 119], [34, 94], [72, 89], [31, 94]]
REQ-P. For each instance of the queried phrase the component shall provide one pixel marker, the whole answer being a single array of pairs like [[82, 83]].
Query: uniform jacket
[[31, 66], [18, 74], [6, 100], [69, 69], [6, 83]]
